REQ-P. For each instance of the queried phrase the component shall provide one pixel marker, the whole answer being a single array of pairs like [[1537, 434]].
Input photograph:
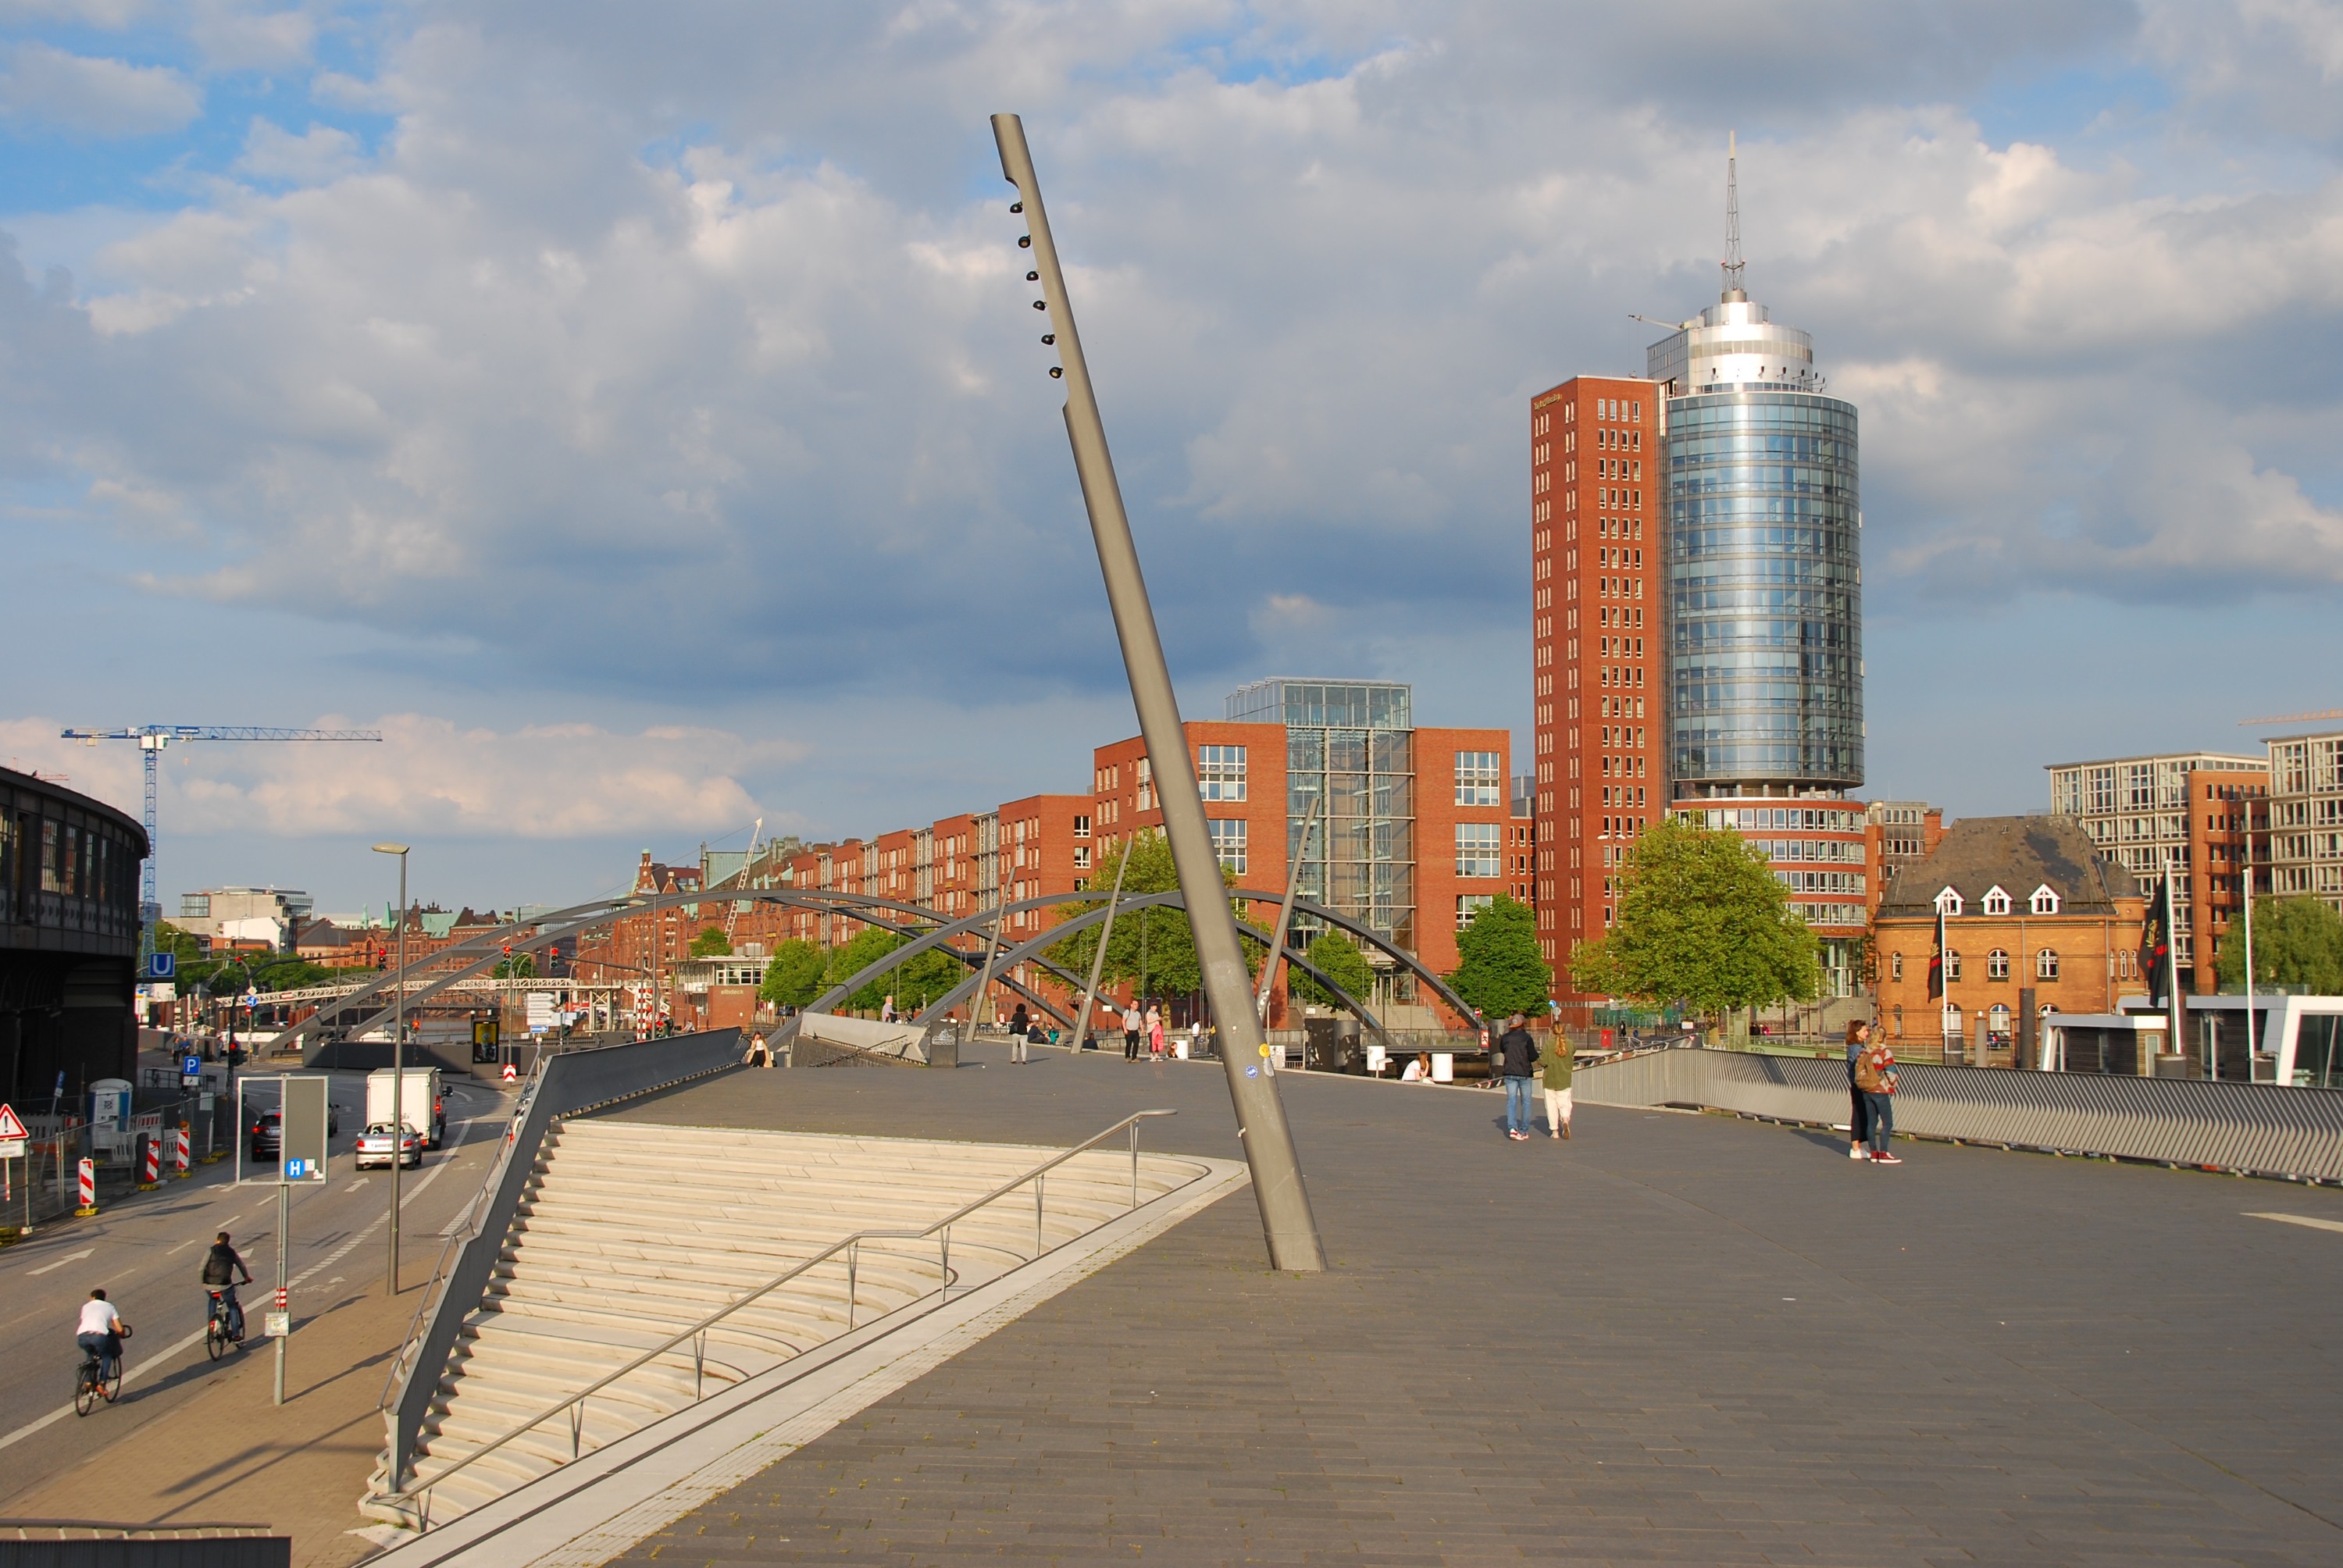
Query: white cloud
[[90, 96], [319, 155], [431, 777]]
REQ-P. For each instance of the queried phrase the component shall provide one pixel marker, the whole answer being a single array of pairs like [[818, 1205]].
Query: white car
[[374, 1146]]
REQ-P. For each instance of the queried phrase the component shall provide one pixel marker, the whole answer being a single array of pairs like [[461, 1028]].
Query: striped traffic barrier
[[179, 1152], [150, 1163], [88, 1189]]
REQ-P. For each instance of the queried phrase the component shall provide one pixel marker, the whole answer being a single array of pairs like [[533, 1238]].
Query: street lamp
[[398, 1064]]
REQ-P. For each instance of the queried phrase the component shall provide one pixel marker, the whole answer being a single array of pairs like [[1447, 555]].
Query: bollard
[[179, 1154], [150, 1163], [88, 1189]]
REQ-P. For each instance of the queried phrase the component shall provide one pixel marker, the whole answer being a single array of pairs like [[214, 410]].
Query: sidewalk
[[229, 1456]]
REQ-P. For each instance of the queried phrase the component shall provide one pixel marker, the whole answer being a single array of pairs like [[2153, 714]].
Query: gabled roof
[[1979, 853]]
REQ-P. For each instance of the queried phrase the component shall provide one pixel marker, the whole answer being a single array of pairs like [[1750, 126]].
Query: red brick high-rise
[[1600, 685]]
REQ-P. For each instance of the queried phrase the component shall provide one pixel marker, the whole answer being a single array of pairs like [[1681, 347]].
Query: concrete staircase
[[631, 1232]]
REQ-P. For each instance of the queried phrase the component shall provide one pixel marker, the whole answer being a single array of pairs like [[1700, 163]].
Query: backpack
[[1875, 1071]]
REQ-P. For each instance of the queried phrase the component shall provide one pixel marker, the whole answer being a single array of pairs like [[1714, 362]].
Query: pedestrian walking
[[760, 1054], [1017, 1042], [1555, 1060], [1516, 1061], [1155, 1033], [1132, 1023], [887, 1008], [1858, 1119], [1875, 1074], [1017, 1022]]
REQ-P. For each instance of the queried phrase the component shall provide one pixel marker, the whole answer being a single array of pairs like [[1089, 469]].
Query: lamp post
[[397, 1065]]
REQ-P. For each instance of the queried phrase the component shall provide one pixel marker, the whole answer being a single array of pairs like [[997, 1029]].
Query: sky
[[635, 412]]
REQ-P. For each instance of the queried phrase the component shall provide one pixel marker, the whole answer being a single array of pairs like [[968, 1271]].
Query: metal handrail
[[459, 1233], [843, 1244]]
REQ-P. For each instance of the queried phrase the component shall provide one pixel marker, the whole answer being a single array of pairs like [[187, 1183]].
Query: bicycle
[[217, 1334], [95, 1382]]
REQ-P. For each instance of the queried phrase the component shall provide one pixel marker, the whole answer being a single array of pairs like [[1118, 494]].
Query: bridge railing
[[2251, 1129]]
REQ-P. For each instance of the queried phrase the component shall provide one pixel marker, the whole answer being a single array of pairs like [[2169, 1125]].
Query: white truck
[[420, 1102]]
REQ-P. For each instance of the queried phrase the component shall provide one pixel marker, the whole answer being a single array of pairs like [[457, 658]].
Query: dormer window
[[1948, 902], [2046, 902], [1996, 902]]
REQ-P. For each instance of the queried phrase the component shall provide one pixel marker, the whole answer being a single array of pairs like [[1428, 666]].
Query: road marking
[[355, 1185], [128, 1373], [92, 1251], [2300, 1219]]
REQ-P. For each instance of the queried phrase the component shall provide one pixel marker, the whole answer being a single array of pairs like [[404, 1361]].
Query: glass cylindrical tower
[[1765, 597]]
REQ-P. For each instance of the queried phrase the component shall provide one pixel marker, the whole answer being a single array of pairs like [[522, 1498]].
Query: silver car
[[374, 1146]]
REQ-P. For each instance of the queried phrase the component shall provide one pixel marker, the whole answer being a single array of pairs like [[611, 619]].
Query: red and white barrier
[[150, 1164], [180, 1152], [88, 1189]]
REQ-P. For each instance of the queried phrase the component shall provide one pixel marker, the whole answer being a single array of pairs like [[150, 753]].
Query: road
[[146, 1252]]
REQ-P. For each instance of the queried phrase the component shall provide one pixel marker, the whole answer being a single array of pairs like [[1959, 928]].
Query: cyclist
[[100, 1332], [221, 1267]]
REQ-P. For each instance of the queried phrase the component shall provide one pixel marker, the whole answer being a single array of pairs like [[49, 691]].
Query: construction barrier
[[88, 1189], [150, 1163], [179, 1153]]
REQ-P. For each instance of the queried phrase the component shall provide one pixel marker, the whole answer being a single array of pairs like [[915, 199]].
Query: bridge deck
[[1674, 1339]]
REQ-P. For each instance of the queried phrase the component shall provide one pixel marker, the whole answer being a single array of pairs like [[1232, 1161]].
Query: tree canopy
[[2297, 944], [1154, 950], [712, 943], [793, 974], [1343, 963], [866, 947], [1702, 923], [1501, 970]]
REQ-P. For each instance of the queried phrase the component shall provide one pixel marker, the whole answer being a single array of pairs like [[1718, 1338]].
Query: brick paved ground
[[1676, 1338]]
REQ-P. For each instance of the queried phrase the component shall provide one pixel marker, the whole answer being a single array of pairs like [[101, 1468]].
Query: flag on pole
[[2155, 940], [1936, 959]]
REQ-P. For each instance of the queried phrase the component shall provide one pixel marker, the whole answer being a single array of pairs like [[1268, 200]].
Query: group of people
[[1871, 1086], [1147, 1026], [1522, 1059], [100, 1328]]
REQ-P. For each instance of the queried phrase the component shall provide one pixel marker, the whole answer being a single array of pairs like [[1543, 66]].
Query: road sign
[[191, 1072], [303, 1129], [162, 966], [10, 1125], [276, 1325]]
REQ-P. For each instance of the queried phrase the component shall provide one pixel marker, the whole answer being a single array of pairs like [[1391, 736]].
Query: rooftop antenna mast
[[1733, 263]]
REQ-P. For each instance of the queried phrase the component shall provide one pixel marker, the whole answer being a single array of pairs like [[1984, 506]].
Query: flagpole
[[2175, 1014], [2250, 1048]]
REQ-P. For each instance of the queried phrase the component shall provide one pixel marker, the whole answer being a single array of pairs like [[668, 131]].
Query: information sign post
[[301, 1123]]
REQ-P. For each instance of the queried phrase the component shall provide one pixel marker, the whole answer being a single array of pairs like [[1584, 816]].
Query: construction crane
[[152, 738], [2292, 717]]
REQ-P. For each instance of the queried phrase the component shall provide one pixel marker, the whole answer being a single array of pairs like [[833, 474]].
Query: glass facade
[[1764, 592], [1350, 744]]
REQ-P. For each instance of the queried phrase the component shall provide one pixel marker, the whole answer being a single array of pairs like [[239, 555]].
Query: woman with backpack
[[1858, 1121], [1875, 1075]]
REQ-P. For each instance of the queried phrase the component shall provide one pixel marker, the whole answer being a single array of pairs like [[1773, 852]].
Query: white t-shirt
[[98, 1318], [1415, 1071]]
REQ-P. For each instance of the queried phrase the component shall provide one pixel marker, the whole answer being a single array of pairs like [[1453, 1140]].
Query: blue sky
[[638, 418]]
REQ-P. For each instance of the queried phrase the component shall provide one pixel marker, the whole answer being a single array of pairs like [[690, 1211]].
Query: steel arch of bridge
[[544, 930]]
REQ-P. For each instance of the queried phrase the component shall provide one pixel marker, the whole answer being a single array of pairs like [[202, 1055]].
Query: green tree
[[867, 946], [921, 979], [1702, 921], [2297, 944], [520, 965], [1501, 971], [1339, 957], [1154, 950], [712, 943], [793, 974]]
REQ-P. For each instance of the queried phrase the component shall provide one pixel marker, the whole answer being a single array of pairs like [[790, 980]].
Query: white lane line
[[355, 1185], [2300, 1219], [129, 1374], [61, 1263]]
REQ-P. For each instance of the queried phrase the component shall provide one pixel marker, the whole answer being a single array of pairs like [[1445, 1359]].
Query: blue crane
[[152, 738]]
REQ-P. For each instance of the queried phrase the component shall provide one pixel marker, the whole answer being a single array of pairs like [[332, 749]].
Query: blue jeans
[[1517, 1105], [1883, 1120], [104, 1349]]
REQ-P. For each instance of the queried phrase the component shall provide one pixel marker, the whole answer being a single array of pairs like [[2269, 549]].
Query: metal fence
[[2251, 1129]]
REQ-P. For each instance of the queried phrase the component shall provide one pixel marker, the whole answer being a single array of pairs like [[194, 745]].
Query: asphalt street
[[146, 1252]]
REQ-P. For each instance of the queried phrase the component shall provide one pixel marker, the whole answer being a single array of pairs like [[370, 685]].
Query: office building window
[[2046, 902], [1221, 772], [1471, 904], [1477, 851], [1952, 967], [1229, 839], [1081, 857], [1895, 969], [1997, 965], [1996, 902], [1081, 827], [2045, 964], [1480, 779]]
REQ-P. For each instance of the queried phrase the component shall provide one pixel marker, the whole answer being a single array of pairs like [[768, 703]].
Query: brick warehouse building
[[1415, 834], [2035, 919]]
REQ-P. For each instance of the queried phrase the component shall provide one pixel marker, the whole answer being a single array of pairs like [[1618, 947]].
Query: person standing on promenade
[[1875, 1074], [1555, 1060], [1858, 1123], [1155, 1033], [1131, 1027], [1516, 1061]]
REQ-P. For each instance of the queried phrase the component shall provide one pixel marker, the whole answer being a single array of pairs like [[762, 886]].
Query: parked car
[[374, 1146], [269, 1130]]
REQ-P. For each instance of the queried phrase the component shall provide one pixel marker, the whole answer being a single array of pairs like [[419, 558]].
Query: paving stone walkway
[[1675, 1339]]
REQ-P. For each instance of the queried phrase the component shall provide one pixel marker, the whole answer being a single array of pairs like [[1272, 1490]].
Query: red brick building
[[1596, 598]]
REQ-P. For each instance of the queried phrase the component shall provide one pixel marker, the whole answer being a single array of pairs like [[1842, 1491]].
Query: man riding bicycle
[[100, 1331], [221, 1267]]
